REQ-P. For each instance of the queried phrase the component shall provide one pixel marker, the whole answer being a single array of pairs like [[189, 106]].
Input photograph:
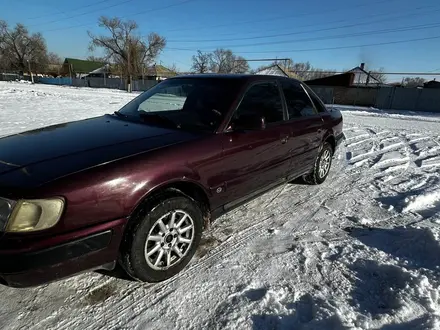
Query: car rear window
[[298, 102]]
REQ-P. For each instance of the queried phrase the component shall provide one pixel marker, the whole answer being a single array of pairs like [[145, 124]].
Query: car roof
[[240, 76]]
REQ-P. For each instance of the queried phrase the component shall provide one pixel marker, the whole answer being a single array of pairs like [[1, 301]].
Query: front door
[[255, 160]]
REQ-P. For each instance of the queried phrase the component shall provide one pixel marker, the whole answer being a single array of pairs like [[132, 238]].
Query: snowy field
[[360, 251]]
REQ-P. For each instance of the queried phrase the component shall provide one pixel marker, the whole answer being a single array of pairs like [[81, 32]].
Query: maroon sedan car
[[138, 187]]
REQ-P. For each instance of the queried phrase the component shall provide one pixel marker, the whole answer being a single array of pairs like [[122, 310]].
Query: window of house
[[298, 102], [263, 99]]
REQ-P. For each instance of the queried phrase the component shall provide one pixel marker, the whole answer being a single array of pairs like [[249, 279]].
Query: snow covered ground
[[360, 251]]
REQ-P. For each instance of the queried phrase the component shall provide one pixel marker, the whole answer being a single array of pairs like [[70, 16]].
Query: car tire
[[321, 167], [163, 236]]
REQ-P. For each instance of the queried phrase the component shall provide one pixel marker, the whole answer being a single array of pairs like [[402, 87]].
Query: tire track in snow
[[397, 157], [428, 153], [378, 152], [420, 194]]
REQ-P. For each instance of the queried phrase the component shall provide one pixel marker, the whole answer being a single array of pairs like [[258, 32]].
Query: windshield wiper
[[162, 118], [117, 113]]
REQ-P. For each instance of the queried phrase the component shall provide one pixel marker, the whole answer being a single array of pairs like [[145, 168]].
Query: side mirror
[[249, 123]]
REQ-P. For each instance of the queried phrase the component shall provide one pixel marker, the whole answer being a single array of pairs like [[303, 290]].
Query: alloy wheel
[[169, 240], [324, 163]]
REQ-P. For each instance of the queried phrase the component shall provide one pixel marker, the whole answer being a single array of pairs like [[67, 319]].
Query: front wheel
[[164, 239], [322, 165]]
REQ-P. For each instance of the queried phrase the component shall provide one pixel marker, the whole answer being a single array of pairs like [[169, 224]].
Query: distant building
[[273, 70], [341, 80], [79, 68], [53, 70], [100, 72], [432, 84], [158, 72], [362, 77], [356, 77]]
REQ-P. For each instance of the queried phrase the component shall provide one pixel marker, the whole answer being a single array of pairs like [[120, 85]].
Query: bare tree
[[221, 61], [225, 61], [20, 50], [123, 46], [413, 81], [300, 70], [174, 68], [53, 58], [285, 64], [240, 65], [379, 76], [316, 73], [305, 71], [97, 59], [201, 62]]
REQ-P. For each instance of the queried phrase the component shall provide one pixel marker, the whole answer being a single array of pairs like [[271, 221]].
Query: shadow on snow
[[417, 248]]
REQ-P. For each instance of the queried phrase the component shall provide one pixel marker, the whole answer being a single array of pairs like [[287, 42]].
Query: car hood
[[61, 149]]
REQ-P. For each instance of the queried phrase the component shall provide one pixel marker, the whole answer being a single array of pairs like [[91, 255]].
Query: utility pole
[[30, 71], [129, 66]]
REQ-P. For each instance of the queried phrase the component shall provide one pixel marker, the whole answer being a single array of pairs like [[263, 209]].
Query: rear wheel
[[322, 165], [163, 239]]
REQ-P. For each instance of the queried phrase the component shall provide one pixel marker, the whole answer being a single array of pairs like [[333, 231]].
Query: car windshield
[[185, 103]]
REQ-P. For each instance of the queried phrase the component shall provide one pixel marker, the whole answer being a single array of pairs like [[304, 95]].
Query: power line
[[307, 31], [130, 15], [327, 48], [159, 8], [175, 60], [366, 33], [82, 14], [333, 22], [73, 9], [283, 17], [264, 59]]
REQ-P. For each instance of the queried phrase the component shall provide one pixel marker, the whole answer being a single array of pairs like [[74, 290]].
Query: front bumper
[[96, 248]]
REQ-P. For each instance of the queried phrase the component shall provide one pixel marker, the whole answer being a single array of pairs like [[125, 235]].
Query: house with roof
[[342, 80], [79, 68], [158, 72], [101, 72], [362, 77], [432, 84], [276, 70], [272, 70], [53, 70], [356, 77]]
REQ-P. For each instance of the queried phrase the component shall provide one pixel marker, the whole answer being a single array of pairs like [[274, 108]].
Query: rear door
[[306, 126], [332, 120], [255, 160]]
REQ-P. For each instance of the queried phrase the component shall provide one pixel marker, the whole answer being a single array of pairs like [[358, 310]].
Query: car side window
[[316, 101], [298, 102], [263, 99]]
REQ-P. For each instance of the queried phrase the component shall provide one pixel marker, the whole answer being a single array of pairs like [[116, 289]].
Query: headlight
[[34, 215]]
